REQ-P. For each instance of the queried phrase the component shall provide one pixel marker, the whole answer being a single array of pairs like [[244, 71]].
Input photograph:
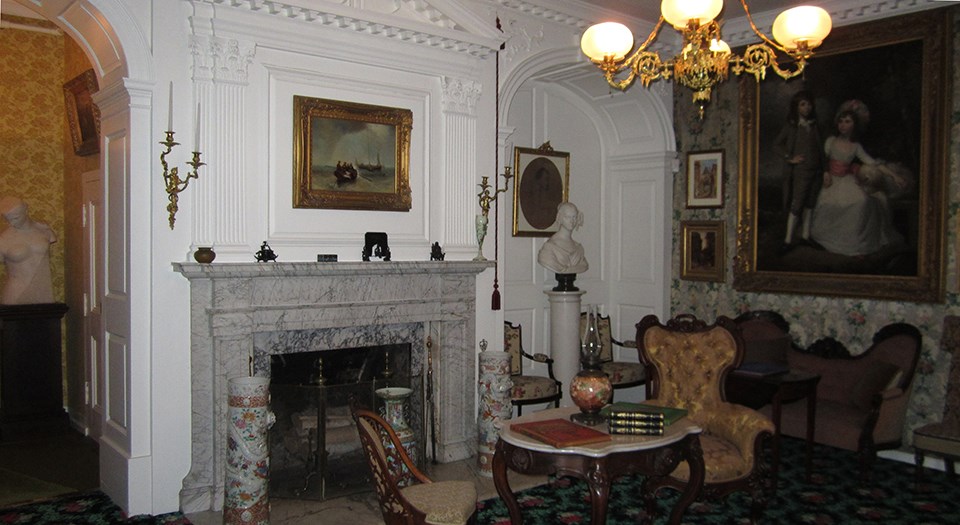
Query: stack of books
[[640, 419]]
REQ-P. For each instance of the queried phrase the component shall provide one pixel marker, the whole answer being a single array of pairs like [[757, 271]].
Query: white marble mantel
[[241, 313]]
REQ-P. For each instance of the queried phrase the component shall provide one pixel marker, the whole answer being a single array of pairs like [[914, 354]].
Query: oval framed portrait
[[542, 183]]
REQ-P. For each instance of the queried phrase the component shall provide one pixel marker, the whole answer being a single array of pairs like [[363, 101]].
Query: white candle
[[170, 109], [196, 137]]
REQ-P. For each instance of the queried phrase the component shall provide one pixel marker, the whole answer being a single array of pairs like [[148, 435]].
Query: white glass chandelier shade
[[606, 40], [804, 25], [678, 13]]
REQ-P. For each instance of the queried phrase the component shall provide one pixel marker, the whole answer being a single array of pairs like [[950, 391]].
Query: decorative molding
[[520, 40], [439, 32], [220, 59], [459, 95]]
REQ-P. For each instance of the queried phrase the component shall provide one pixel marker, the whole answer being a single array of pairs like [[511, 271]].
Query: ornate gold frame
[[83, 116], [528, 162], [317, 189], [690, 268], [932, 30]]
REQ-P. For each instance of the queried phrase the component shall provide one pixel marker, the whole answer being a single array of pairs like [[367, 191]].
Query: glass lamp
[[590, 389]]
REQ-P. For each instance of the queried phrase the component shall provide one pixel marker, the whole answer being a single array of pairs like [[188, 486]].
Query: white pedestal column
[[565, 338]]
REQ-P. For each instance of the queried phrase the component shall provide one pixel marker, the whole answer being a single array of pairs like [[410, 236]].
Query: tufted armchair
[[687, 363], [528, 389], [406, 495]]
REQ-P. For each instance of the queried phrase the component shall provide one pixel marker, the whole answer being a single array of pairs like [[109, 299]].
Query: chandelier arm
[[653, 34], [759, 33]]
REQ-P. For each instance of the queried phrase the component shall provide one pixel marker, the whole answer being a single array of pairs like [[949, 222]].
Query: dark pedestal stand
[[31, 382], [565, 282]]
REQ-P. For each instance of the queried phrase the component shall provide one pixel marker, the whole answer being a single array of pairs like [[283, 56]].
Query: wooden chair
[[943, 438], [687, 364], [406, 495], [528, 389], [766, 336], [623, 374]]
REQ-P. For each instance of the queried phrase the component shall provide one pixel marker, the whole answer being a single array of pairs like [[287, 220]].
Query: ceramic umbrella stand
[[495, 407], [248, 455], [394, 400]]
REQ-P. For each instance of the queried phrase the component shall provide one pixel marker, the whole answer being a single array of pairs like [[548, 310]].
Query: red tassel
[[495, 302]]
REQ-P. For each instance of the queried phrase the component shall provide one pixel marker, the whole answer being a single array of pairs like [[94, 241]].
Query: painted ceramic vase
[[590, 390], [494, 404], [246, 500], [394, 400]]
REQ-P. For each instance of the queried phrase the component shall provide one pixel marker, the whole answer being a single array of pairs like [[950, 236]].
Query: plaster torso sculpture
[[561, 253], [25, 250]]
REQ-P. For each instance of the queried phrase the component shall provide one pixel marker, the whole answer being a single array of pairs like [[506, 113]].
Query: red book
[[560, 432]]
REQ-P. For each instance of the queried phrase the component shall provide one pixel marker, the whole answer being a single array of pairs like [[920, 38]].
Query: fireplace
[[242, 314], [315, 451]]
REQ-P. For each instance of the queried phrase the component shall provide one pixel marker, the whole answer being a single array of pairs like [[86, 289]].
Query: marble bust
[[561, 253], [25, 250]]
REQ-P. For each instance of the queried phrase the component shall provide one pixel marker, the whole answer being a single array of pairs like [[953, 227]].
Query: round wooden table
[[600, 463]]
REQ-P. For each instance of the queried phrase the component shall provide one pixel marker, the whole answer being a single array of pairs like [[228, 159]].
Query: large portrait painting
[[542, 183], [843, 169], [350, 156]]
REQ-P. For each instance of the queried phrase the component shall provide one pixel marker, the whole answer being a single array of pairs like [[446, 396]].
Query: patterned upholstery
[[528, 389], [623, 374], [405, 494], [687, 364], [943, 438]]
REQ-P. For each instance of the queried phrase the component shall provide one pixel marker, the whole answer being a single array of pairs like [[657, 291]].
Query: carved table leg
[[694, 456], [502, 484]]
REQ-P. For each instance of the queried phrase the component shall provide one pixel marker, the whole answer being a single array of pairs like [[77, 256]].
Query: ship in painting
[[369, 166], [345, 172]]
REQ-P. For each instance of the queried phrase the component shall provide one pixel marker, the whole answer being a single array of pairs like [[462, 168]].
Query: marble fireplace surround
[[241, 313]]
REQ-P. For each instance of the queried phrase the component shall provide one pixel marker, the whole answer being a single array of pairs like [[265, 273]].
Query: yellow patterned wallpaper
[[31, 130]]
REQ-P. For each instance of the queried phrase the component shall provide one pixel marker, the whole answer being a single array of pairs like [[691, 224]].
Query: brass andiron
[[172, 178]]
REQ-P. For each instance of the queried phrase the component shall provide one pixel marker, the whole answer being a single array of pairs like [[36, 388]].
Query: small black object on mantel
[[436, 253], [265, 254], [375, 243]]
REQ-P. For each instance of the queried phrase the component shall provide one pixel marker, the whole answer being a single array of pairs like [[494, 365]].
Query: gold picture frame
[[896, 69], [703, 252], [350, 156], [542, 182], [83, 116], [705, 179]]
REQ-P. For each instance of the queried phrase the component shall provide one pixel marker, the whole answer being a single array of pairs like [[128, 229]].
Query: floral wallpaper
[[852, 321], [31, 130]]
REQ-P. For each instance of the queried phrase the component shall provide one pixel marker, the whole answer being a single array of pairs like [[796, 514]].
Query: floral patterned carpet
[[87, 508], [834, 496]]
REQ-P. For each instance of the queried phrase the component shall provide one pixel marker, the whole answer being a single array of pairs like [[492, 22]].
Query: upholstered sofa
[[861, 400]]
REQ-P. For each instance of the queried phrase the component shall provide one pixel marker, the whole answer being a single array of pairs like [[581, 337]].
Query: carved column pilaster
[[459, 103], [220, 83]]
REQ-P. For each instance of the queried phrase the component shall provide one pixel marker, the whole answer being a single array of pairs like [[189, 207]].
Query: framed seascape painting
[[350, 156], [542, 183], [703, 251], [705, 179], [843, 170], [83, 116]]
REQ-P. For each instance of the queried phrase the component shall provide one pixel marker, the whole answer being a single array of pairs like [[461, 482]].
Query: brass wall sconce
[[171, 176]]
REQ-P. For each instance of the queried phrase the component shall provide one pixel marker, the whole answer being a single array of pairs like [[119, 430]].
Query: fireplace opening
[[315, 451]]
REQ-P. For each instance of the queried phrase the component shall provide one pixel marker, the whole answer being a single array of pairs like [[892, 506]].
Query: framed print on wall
[[83, 116], [705, 179], [703, 252], [872, 227], [350, 156], [542, 182]]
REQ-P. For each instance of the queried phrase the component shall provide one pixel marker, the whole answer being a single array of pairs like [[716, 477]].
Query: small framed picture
[[542, 183], [83, 116], [705, 179], [703, 251]]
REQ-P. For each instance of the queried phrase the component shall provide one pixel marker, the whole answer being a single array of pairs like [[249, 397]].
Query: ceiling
[[650, 9]]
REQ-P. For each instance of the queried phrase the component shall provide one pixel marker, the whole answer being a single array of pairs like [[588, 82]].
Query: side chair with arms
[[528, 389], [623, 374], [943, 438], [406, 495], [687, 363]]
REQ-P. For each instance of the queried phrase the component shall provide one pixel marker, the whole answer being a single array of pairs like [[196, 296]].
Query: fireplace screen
[[314, 447]]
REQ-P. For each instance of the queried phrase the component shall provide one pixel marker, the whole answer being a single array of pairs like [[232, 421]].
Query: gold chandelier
[[705, 59]]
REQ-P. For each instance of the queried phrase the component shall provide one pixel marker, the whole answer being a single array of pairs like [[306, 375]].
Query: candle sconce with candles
[[486, 198], [171, 176]]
